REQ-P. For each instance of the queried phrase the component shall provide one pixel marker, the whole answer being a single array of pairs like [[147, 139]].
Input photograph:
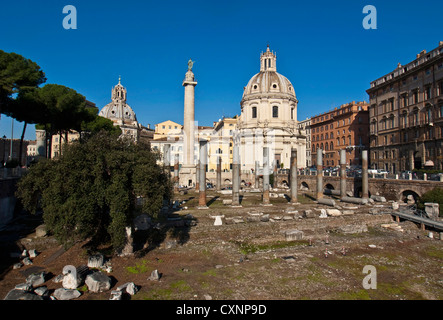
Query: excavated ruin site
[[277, 252]]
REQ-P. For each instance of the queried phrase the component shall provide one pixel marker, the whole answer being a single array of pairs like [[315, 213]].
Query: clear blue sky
[[322, 48]]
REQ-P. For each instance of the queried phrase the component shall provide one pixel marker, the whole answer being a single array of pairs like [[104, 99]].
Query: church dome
[[118, 109], [268, 80], [114, 111]]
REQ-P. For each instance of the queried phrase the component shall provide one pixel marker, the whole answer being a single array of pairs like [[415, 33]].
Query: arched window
[[331, 147], [254, 112], [275, 112]]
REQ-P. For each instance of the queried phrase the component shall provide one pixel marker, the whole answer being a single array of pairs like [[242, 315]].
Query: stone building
[[269, 118], [221, 144], [167, 128], [406, 115], [5, 150], [345, 127]]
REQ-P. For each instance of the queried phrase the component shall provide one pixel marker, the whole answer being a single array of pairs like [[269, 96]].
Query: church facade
[[269, 119]]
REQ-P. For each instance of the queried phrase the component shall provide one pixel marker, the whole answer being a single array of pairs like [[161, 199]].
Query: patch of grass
[[210, 272], [83, 289], [138, 268], [435, 252], [180, 285]]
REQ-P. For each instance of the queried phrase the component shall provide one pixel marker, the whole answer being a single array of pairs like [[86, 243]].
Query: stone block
[[40, 231], [66, 294], [16, 294], [155, 276], [98, 282], [36, 279], [292, 235], [333, 212], [95, 261], [309, 214], [353, 228]]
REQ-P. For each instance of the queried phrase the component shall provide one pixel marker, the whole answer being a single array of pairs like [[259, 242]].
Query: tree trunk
[[50, 146], [60, 143], [20, 152]]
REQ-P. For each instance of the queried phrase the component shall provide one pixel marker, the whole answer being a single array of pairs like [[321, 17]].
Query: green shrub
[[435, 196]]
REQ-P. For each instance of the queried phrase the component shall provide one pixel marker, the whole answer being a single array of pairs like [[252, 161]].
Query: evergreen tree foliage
[[91, 190]]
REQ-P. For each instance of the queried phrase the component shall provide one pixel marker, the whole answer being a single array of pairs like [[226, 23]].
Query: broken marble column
[[319, 173], [219, 175], [293, 181], [197, 176], [364, 175], [176, 173], [266, 176], [257, 181], [166, 158], [129, 246], [202, 175], [235, 175], [342, 173], [275, 173]]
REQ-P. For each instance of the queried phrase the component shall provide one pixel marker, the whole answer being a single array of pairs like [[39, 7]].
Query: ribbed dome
[[113, 111], [268, 82]]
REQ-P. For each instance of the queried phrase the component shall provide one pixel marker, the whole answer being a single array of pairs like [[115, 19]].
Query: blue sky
[[321, 46]]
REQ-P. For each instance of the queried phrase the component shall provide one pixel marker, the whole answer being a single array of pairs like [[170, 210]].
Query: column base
[[202, 207], [266, 204]]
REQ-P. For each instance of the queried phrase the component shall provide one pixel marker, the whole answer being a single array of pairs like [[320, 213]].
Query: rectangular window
[[428, 93], [254, 112], [275, 112], [415, 97]]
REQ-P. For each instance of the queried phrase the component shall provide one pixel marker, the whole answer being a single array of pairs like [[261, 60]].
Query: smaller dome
[[113, 111]]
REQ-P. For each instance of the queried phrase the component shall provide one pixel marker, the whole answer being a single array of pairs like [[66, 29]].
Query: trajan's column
[[188, 170]]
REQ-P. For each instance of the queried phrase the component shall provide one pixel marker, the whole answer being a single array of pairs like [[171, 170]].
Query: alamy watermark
[[370, 21], [370, 281], [70, 21]]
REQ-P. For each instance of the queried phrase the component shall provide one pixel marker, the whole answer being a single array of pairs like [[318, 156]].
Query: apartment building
[[406, 115], [345, 127]]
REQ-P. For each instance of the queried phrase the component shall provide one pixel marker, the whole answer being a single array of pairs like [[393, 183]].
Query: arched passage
[[404, 195], [329, 186]]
